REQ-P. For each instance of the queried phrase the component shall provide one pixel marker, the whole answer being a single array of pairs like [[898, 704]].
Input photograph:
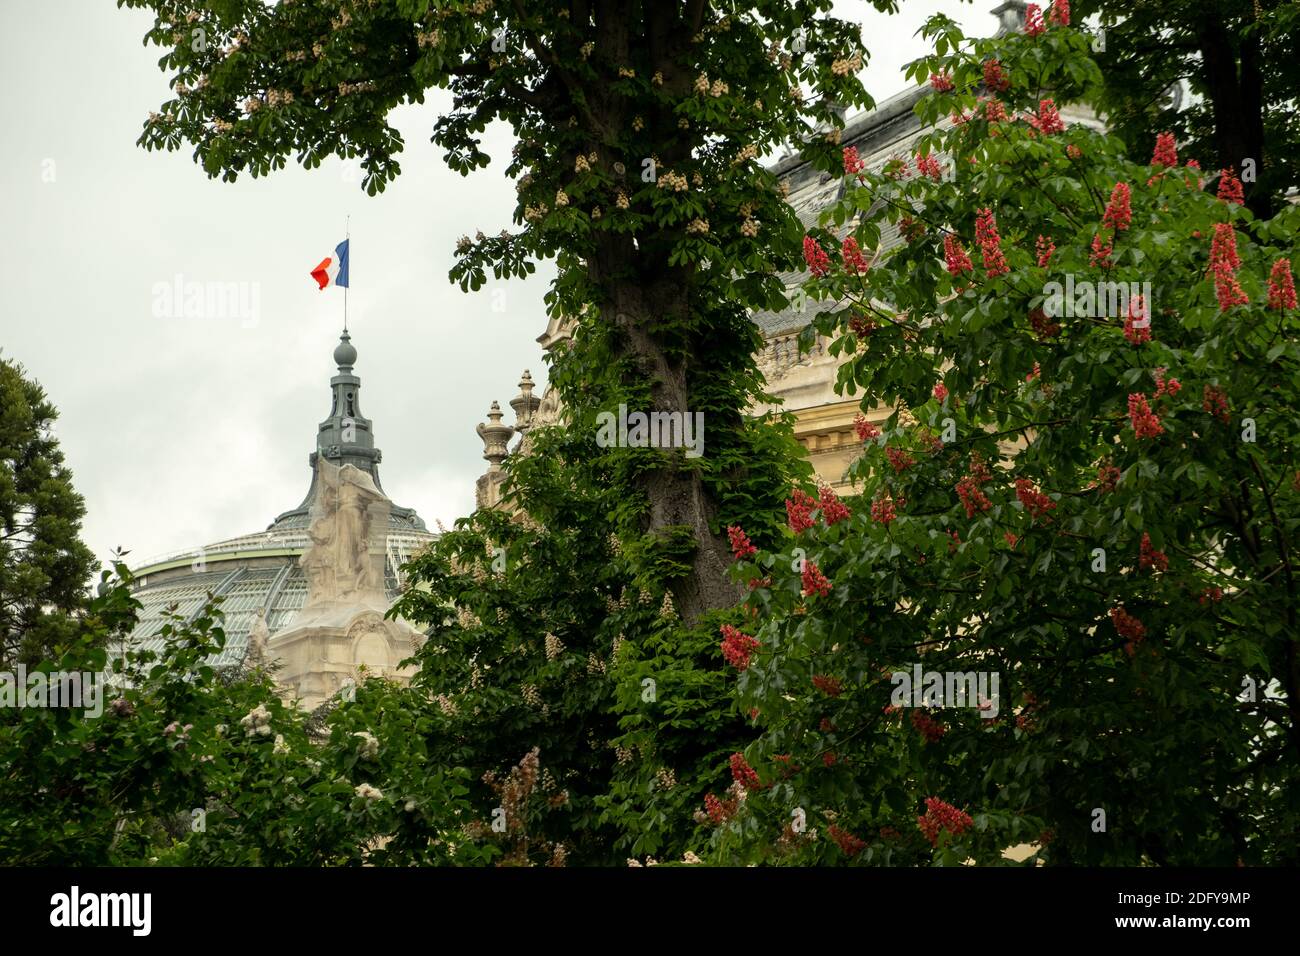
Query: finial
[[345, 355], [525, 403], [496, 437]]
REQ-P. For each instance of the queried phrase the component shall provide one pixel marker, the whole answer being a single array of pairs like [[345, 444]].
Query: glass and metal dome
[[259, 571]]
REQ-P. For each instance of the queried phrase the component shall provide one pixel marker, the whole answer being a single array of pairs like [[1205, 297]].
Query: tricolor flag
[[333, 270]]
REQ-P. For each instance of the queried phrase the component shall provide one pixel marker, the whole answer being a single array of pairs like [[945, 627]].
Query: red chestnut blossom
[[995, 112], [1034, 372], [719, 811], [955, 257], [1108, 478], [882, 510], [931, 729], [1281, 286], [852, 163], [831, 507], [1099, 258], [1059, 13], [741, 546], [1187, 180], [1126, 625], [818, 262], [911, 229], [1211, 596], [1166, 153], [1166, 386], [1074, 152], [990, 243], [1223, 267], [940, 816], [743, 773], [828, 758], [1215, 401], [1146, 424], [829, 686], [814, 582], [1149, 557], [940, 391], [855, 263], [1035, 502], [1137, 325], [941, 82], [995, 78], [866, 431], [899, 459], [737, 647], [1048, 120], [1043, 327], [927, 165], [1034, 20], [846, 841], [1043, 248], [972, 499], [1010, 539], [1230, 190], [1119, 212], [861, 326], [798, 510]]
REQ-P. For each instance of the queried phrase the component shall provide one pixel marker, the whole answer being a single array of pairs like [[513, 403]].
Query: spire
[[496, 437], [525, 404], [346, 437]]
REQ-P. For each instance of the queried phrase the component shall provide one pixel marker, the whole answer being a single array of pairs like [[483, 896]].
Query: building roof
[[259, 570]]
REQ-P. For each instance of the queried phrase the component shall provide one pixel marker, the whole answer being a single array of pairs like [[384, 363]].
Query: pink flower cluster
[[743, 773], [1035, 502], [1048, 120], [1281, 286], [1166, 152], [814, 582], [1119, 211], [866, 431], [855, 263], [1034, 20], [815, 256], [1224, 263], [955, 257], [832, 508], [940, 816], [1230, 190], [798, 511], [927, 165], [1043, 249], [853, 164], [990, 243], [995, 78], [737, 647], [1150, 557], [1146, 424], [1059, 14], [1137, 313], [741, 546], [941, 82]]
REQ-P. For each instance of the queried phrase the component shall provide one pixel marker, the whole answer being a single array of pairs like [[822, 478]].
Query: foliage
[[182, 765], [44, 567], [640, 129], [1238, 60], [1100, 513], [543, 640]]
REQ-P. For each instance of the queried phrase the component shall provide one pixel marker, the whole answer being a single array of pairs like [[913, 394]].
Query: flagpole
[[347, 235]]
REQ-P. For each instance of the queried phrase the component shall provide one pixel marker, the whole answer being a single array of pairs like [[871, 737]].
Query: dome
[[259, 571]]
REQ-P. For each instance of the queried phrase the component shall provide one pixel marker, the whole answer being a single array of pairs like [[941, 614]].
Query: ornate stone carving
[[349, 523]]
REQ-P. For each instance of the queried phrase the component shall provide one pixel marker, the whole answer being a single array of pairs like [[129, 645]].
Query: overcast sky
[[184, 431]]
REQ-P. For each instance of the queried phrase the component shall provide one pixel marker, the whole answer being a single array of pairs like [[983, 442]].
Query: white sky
[[184, 431]]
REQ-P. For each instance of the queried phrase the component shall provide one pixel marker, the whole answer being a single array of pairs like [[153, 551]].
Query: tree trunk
[[1237, 97]]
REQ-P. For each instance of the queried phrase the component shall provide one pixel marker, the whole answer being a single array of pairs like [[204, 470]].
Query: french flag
[[333, 270]]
